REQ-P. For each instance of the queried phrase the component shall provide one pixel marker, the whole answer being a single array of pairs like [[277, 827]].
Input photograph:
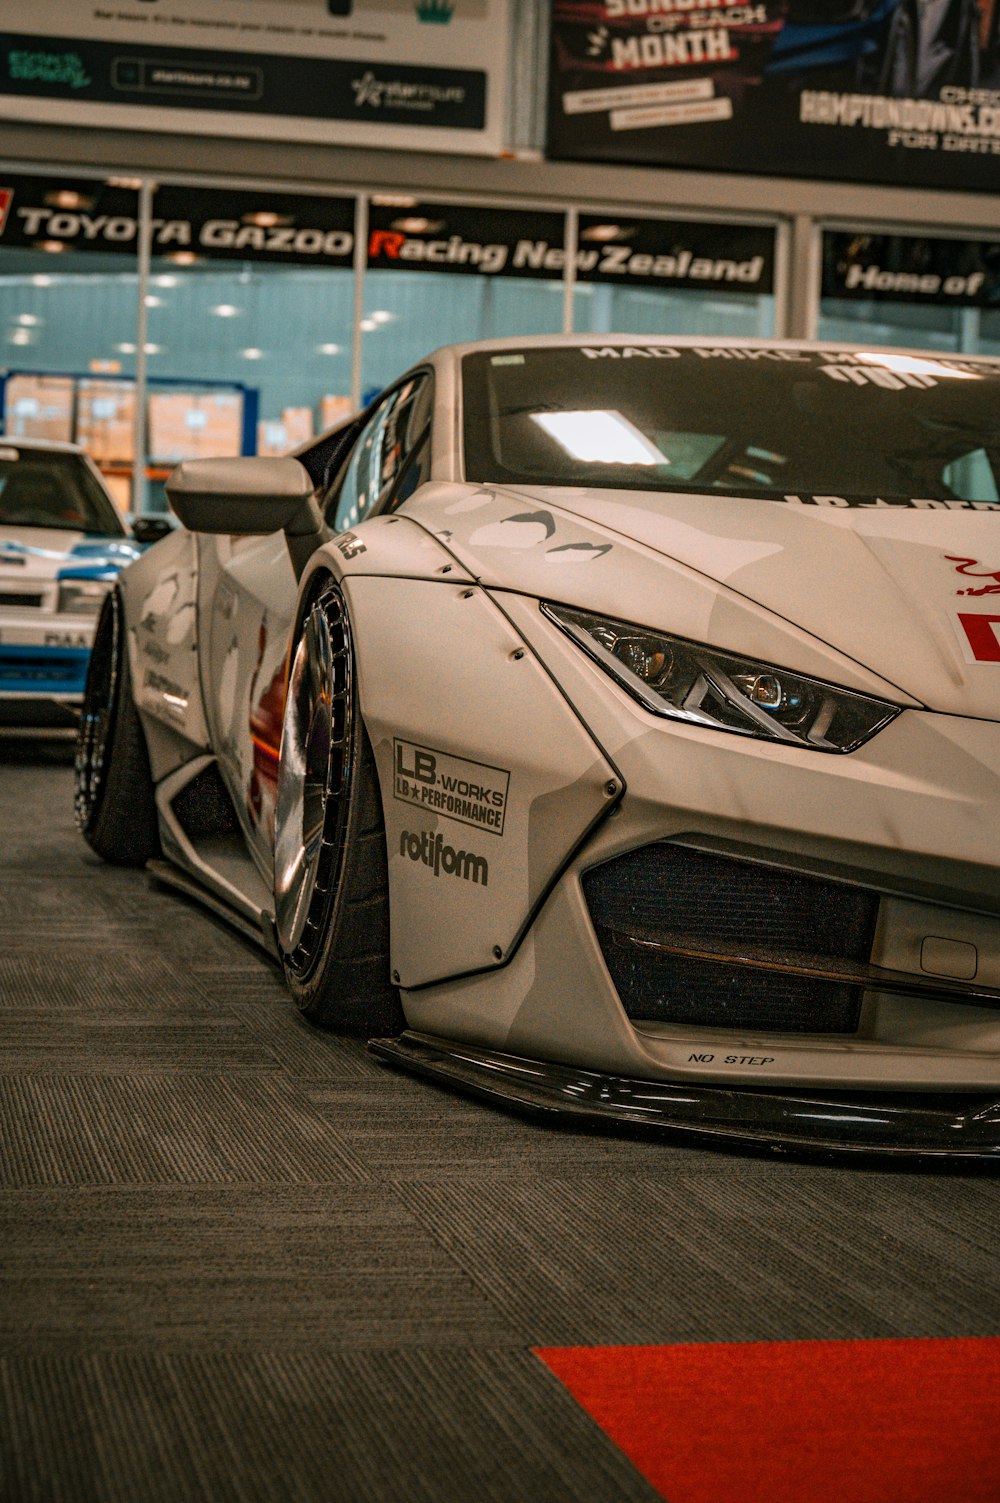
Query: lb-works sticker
[[471, 792]]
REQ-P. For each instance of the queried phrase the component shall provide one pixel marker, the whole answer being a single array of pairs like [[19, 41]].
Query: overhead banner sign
[[462, 238], [422, 74], [912, 269], [674, 254], [883, 95], [666, 254], [188, 224]]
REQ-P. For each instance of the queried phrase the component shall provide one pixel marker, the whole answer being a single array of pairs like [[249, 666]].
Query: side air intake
[[691, 937]]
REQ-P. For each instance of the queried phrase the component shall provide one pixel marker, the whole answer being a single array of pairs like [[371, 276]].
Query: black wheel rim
[[97, 717], [314, 774]]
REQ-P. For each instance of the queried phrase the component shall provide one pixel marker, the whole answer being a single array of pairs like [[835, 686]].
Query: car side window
[[381, 455]]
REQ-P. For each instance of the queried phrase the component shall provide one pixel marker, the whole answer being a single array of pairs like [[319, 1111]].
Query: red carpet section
[[914, 1421]]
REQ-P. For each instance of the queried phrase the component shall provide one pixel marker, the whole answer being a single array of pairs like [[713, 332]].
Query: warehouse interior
[[244, 1260]]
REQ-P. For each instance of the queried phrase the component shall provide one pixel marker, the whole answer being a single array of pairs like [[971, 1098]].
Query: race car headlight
[[685, 681], [83, 597]]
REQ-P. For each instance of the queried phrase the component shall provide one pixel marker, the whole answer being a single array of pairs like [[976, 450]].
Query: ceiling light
[[393, 201], [266, 219], [21, 336], [382, 316], [252, 353], [225, 310], [52, 246], [125, 348], [604, 232], [152, 301], [29, 320], [41, 280], [182, 258], [67, 198], [328, 349], [413, 224], [166, 281]]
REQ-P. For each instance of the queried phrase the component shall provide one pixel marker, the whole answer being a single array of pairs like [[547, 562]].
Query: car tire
[[898, 78], [331, 866], [115, 800]]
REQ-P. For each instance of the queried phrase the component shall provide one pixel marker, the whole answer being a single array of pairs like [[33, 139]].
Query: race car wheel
[[331, 875], [114, 798]]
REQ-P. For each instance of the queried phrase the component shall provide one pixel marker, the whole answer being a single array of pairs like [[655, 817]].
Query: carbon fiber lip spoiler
[[905, 1126]]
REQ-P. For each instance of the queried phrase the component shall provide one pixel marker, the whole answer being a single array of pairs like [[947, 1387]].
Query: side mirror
[[239, 496], [147, 529]]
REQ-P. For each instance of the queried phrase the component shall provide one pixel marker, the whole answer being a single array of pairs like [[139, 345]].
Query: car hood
[[912, 595], [55, 553]]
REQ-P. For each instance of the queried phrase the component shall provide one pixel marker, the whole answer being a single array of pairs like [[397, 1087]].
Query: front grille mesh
[[666, 894], [20, 598]]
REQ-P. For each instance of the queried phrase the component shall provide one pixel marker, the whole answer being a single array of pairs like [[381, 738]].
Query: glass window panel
[[68, 305], [410, 313], [603, 309], [924, 326]]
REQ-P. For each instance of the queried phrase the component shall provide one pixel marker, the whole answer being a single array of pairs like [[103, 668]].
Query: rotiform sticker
[[472, 792]]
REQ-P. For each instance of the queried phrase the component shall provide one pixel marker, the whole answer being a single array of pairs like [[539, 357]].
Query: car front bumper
[[43, 657], [910, 1126]]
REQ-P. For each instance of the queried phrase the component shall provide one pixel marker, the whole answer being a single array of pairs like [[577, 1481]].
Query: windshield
[[47, 488], [827, 426]]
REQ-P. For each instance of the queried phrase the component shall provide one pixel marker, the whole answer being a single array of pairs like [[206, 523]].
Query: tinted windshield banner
[[912, 269], [427, 74], [877, 91], [832, 428], [197, 224]]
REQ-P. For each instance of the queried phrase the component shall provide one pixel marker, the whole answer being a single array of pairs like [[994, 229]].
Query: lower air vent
[[203, 806], [696, 938]]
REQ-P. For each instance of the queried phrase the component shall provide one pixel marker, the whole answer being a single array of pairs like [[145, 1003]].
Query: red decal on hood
[[971, 568], [984, 638]]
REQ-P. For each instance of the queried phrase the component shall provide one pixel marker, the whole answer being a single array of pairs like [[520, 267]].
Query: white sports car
[[62, 544], [609, 725]]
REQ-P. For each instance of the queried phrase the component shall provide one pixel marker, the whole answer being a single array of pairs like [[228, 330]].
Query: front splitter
[[901, 1125]]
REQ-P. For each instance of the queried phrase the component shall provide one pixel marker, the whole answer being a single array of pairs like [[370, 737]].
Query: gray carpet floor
[[240, 1260]]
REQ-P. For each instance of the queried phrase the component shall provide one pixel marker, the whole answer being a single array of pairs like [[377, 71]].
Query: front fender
[[489, 780]]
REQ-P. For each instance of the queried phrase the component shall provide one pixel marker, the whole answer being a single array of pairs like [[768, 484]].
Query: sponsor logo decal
[[397, 93], [434, 12], [66, 639], [971, 568], [48, 67], [471, 792], [980, 637], [350, 545], [757, 1060], [917, 503], [431, 851], [6, 199]]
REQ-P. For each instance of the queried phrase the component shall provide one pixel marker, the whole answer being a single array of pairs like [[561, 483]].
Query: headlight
[[83, 597], [686, 681]]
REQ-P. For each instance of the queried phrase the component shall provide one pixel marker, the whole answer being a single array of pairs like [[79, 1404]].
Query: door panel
[[247, 595]]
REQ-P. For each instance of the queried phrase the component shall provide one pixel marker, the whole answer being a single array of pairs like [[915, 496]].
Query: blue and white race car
[[62, 544]]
